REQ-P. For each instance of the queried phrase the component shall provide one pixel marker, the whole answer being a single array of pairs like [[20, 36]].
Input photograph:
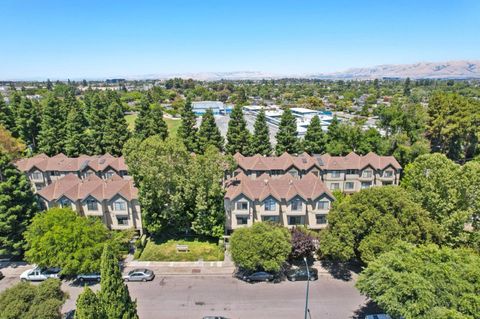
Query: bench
[[182, 249]]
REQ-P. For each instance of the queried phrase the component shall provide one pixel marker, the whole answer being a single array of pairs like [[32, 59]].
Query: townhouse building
[[97, 186], [297, 190]]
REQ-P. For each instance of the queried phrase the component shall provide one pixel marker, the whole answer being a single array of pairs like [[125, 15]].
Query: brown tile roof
[[61, 162], [355, 161], [285, 187], [282, 162], [74, 188]]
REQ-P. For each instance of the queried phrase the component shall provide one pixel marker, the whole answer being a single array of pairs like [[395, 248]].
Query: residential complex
[[296, 190], [91, 185]]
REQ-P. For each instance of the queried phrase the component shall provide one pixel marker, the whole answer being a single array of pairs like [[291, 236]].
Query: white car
[[39, 274]]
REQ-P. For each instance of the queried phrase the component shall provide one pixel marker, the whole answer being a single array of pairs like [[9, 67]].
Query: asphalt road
[[192, 297]]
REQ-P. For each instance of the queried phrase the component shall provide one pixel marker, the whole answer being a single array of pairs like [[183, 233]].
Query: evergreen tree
[[27, 122], [187, 130], [141, 122], [157, 123], [96, 115], [315, 139], [238, 136], [6, 115], [116, 130], [114, 296], [208, 134], [76, 139], [260, 143], [406, 87], [17, 207], [49, 85], [50, 138], [89, 306], [287, 134]]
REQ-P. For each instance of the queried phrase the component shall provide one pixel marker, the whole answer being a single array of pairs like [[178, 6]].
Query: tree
[[116, 131], [208, 134], [238, 136], [114, 296], [27, 122], [89, 306], [470, 192], [96, 115], [142, 124], [260, 143], [51, 136], [370, 222], [49, 85], [10, 146], [187, 131], [25, 300], [406, 87], [424, 282], [303, 243], [76, 138], [61, 238], [315, 139], [159, 126], [287, 140], [262, 246], [17, 207], [6, 116]]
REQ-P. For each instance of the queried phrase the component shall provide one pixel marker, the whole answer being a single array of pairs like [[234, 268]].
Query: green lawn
[[172, 124], [167, 251]]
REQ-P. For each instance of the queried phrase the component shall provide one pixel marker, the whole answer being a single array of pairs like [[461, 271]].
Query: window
[[295, 220], [296, 204], [270, 205], [351, 171], [349, 185], [367, 173], [366, 185], [271, 219], [387, 183], [242, 220], [323, 204], [335, 186], [321, 219], [119, 205], [388, 173], [37, 175], [38, 186], [122, 220], [88, 173], [109, 174], [242, 205], [336, 174], [65, 203], [92, 204], [293, 172]]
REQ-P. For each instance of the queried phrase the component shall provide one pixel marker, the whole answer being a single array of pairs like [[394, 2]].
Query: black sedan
[[302, 274], [259, 276]]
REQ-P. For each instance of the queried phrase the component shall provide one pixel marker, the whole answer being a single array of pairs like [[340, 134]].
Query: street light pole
[[308, 286]]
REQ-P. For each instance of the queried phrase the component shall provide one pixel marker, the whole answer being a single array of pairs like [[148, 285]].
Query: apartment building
[[285, 200], [96, 186]]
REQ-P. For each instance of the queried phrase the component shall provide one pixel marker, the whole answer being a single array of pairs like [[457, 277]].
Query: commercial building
[[217, 107]]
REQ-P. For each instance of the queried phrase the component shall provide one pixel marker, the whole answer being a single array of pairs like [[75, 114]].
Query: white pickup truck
[[39, 274]]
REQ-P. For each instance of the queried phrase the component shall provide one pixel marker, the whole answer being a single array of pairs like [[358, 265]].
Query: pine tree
[[238, 136], [208, 134], [287, 140], [89, 306], [17, 207], [49, 85], [27, 122], [187, 130], [315, 139], [157, 123], [116, 131], [50, 138], [260, 143], [141, 122], [76, 139], [96, 115], [114, 296], [6, 116], [406, 87]]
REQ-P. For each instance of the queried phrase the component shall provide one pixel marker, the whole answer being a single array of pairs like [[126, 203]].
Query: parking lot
[[192, 297]]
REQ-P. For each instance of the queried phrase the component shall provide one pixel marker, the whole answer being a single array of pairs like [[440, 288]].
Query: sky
[[119, 38]]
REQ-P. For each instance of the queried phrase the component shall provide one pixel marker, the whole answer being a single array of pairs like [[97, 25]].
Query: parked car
[[40, 274], [139, 275], [259, 276], [301, 274], [95, 277], [378, 316]]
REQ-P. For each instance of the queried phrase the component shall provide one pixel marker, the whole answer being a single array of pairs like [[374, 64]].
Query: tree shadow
[[12, 264], [340, 270], [370, 308]]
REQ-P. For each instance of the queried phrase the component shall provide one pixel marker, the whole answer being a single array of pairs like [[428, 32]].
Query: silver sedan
[[139, 275]]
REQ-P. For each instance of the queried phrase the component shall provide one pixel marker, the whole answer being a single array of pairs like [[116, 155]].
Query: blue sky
[[103, 38]]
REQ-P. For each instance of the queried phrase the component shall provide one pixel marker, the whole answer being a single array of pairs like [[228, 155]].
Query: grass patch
[[167, 251], [172, 125]]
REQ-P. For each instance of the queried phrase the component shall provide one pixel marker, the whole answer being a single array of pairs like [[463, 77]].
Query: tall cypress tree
[[157, 123], [187, 130], [76, 139], [89, 306], [238, 136], [17, 207], [6, 115], [114, 296], [96, 115], [50, 138], [287, 140], [27, 122], [315, 139], [208, 134], [116, 131], [141, 122], [260, 143]]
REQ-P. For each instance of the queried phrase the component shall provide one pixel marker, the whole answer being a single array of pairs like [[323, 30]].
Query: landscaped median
[[168, 251]]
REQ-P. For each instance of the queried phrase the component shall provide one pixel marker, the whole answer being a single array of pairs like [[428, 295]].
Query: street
[[192, 297]]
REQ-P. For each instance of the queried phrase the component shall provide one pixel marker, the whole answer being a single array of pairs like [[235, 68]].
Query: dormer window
[[367, 173], [336, 174], [119, 205], [65, 203], [296, 205], [242, 205], [323, 204], [388, 173], [109, 174], [270, 205], [92, 204], [37, 175]]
